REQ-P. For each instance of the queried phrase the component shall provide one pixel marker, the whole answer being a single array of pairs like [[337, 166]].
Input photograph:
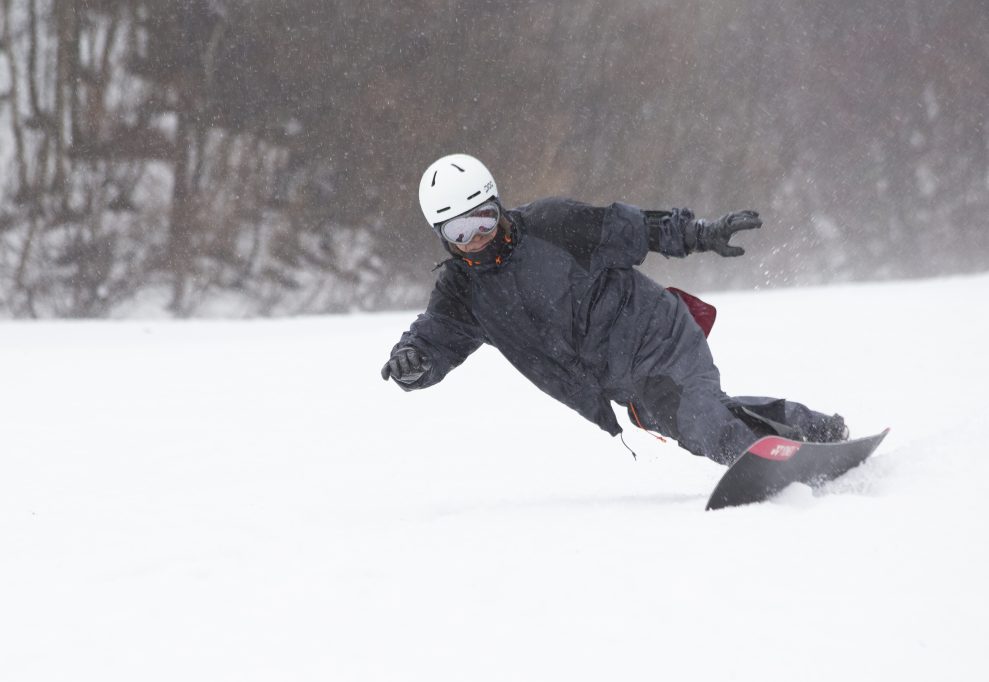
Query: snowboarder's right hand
[[406, 365], [714, 236]]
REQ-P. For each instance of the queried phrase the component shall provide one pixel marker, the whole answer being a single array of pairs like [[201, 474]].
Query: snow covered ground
[[249, 501]]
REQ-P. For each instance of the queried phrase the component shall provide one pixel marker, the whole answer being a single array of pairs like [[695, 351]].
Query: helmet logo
[[487, 187]]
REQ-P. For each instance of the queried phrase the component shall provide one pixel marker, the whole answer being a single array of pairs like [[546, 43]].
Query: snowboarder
[[553, 286]]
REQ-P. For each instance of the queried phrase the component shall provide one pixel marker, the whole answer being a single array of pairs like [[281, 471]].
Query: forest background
[[208, 157]]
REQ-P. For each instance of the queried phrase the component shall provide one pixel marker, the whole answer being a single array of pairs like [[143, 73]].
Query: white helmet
[[453, 185]]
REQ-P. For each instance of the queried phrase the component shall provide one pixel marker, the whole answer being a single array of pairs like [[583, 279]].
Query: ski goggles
[[481, 220]]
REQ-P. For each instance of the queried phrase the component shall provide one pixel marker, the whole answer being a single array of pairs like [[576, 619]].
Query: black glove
[[405, 366], [702, 235]]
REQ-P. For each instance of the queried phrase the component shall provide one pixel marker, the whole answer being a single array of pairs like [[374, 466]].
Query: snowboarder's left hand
[[714, 236]]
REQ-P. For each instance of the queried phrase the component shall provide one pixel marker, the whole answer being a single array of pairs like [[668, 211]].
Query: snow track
[[249, 501]]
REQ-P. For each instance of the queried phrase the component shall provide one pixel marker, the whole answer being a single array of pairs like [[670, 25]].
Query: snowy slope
[[249, 501]]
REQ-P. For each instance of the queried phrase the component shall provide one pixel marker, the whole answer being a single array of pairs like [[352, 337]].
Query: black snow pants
[[677, 393]]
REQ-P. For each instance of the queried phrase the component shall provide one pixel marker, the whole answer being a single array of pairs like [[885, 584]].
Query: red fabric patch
[[703, 313]]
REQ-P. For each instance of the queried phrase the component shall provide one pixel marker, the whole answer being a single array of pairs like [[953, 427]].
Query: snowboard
[[772, 463]]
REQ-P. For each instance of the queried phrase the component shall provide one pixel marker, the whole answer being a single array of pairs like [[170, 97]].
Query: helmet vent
[[458, 168], [434, 178], [473, 195], [440, 210]]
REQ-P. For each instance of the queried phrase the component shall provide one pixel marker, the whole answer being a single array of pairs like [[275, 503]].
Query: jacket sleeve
[[447, 332], [668, 231], [615, 236]]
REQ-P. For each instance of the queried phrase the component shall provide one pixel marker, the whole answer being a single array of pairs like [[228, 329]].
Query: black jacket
[[566, 308]]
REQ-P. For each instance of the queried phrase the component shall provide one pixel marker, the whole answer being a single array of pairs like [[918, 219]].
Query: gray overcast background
[[257, 158]]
